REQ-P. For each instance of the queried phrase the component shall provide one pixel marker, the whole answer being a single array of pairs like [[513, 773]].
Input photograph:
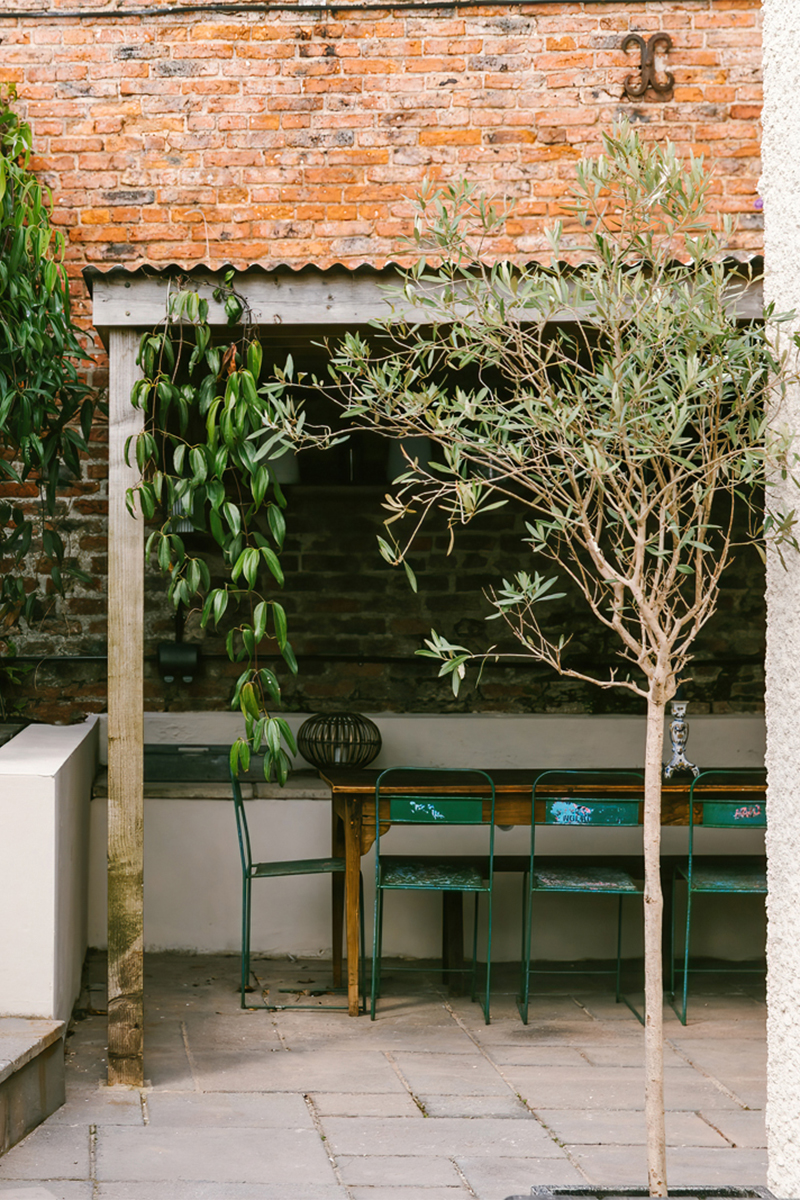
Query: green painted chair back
[[585, 799], [252, 871], [414, 796], [718, 799]]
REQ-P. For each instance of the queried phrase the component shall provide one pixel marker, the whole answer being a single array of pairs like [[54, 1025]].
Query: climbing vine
[[46, 405], [204, 456]]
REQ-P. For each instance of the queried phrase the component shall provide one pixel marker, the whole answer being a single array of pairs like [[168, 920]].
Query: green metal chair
[[274, 870], [722, 800], [406, 796], [567, 800]]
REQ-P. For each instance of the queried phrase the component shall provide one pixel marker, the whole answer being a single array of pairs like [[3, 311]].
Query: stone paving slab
[[604, 1088], [100, 1106], [365, 1104], [507, 1107], [627, 1053], [297, 1071], [280, 1110], [500, 1176], [254, 1029], [51, 1152], [450, 1073], [408, 1193], [198, 1190], [748, 1058], [743, 1129], [598, 1128], [418, 1171], [687, 1166], [526, 1054], [211, 1155], [54, 1190], [171, 1071], [475, 1138]]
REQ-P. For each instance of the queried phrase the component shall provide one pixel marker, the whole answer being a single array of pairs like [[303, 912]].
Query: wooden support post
[[125, 730]]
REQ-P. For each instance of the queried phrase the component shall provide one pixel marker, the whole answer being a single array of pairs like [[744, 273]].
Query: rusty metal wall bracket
[[647, 66]]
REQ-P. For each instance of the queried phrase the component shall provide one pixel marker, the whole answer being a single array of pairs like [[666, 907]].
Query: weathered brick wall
[[289, 138], [299, 136], [355, 626]]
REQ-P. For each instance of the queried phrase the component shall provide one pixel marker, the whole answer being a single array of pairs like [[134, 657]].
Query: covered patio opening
[[292, 309]]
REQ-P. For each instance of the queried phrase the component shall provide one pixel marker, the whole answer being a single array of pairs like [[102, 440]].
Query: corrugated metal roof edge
[[91, 273], [754, 263]]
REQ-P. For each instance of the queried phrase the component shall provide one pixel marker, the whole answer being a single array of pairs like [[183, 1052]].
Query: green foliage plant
[[630, 419], [204, 455], [46, 405]]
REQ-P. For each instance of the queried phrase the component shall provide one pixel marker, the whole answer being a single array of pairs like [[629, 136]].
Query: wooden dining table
[[353, 829]]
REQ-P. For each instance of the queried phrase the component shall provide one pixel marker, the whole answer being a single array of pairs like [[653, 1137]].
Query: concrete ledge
[[305, 785], [31, 1075]]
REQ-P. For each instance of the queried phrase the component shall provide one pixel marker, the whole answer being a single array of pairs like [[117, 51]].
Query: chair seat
[[584, 879], [298, 866], [738, 875], [435, 876]]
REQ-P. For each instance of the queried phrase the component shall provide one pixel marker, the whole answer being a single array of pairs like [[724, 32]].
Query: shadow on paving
[[425, 1103]]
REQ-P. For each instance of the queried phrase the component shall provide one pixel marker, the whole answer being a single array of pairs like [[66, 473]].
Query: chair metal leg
[[672, 913], [487, 996], [525, 956], [680, 1008], [682, 1013], [376, 949], [619, 946], [245, 973], [474, 975], [362, 964], [639, 1016]]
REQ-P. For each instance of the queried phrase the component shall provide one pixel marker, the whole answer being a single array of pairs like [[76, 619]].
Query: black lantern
[[340, 739]]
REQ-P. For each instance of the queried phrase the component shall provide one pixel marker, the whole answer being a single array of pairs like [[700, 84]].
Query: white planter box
[[46, 775]]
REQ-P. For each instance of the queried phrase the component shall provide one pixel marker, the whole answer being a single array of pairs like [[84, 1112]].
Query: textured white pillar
[[780, 188]]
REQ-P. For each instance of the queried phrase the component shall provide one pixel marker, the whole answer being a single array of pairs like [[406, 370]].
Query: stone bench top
[[22, 1039]]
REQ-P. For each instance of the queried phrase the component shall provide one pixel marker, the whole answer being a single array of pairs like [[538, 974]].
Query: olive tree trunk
[[653, 969]]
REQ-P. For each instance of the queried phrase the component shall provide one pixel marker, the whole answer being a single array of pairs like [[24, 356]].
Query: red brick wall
[[286, 138], [291, 137]]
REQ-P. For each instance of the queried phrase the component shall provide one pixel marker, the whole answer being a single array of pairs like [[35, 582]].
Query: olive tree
[[615, 395]]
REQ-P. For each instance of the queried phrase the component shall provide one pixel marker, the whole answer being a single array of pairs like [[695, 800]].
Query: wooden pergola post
[[125, 729]]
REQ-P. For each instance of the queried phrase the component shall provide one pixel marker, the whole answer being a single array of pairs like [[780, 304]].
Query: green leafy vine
[[204, 455], [46, 405]]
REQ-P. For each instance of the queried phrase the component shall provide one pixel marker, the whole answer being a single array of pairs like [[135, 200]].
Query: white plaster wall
[[46, 776], [192, 876], [192, 885], [780, 188]]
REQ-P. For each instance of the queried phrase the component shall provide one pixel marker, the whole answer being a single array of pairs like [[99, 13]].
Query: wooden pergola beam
[[125, 729], [335, 300]]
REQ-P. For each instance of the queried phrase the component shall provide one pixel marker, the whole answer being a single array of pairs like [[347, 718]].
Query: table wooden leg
[[352, 855], [337, 899], [453, 942]]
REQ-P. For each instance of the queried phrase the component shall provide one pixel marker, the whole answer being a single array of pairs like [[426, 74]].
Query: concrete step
[[31, 1075]]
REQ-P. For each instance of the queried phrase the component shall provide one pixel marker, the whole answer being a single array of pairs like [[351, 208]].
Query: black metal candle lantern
[[340, 739]]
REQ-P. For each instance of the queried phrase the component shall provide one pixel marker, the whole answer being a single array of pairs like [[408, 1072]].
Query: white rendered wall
[[46, 775], [192, 875], [780, 188]]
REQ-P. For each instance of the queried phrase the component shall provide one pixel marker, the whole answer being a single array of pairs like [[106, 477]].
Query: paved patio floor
[[426, 1102]]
